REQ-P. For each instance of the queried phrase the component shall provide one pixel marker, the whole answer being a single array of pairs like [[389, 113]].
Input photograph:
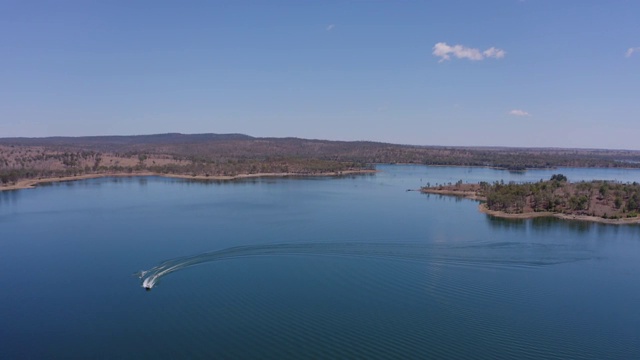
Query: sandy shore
[[32, 183], [530, 215]]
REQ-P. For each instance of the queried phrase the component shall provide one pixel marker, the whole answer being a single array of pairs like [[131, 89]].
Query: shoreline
[[33, 183], [471, 195], [530, 215], [520, 170]]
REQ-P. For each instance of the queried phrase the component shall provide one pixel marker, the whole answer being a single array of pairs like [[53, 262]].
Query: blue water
[[352, 267]]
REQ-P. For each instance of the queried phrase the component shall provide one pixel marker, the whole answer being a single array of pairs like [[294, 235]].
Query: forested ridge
[[235, 154]]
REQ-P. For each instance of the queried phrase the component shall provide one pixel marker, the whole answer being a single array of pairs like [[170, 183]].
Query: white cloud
[[493, 52], [330, 27], [631, 51], [444, 52], [517, 112]]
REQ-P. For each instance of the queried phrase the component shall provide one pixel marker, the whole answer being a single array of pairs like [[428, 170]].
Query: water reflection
[[542, 225], [539, 224], [502, 223], [9, 196], [267, 179], [196, 181], [546, 223], [115, 180]]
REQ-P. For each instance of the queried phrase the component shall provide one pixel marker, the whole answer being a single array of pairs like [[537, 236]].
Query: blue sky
[[509, 73]]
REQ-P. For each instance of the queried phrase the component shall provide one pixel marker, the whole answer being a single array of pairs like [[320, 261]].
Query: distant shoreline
[[33, 183], [512, 170]]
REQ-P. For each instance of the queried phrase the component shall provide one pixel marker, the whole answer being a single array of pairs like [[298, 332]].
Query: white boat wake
[[502, 254]]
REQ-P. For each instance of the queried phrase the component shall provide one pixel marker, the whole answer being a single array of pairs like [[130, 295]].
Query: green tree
[[617, 202], [603, 189], [633, 203]]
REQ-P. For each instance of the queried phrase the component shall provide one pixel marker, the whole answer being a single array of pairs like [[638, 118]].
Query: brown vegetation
[[193, 156], [211, 155], [599, 199]]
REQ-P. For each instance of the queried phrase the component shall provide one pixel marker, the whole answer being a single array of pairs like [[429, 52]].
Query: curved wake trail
[[504, 254]]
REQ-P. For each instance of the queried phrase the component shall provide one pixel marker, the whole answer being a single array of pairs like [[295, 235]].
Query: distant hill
[[119, 141], [236, 154], [239, 146]]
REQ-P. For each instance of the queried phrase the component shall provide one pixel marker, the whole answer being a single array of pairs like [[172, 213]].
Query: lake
[[352, 267]]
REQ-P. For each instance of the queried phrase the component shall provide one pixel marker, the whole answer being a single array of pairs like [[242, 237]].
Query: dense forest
[[234, 154], [605, 199]]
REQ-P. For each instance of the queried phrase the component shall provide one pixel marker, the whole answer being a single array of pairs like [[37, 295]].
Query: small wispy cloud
[[630, 51], [517, 112], [330, 27], [493, 52], [444, 51]]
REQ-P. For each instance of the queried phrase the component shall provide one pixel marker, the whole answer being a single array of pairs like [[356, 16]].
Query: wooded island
[[586, 200]]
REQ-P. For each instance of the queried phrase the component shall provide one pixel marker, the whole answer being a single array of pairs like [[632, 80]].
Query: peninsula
[[597, 201], [26, 162]]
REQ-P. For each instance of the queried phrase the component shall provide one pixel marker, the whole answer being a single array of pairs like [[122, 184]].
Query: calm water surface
[[354, 267]]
